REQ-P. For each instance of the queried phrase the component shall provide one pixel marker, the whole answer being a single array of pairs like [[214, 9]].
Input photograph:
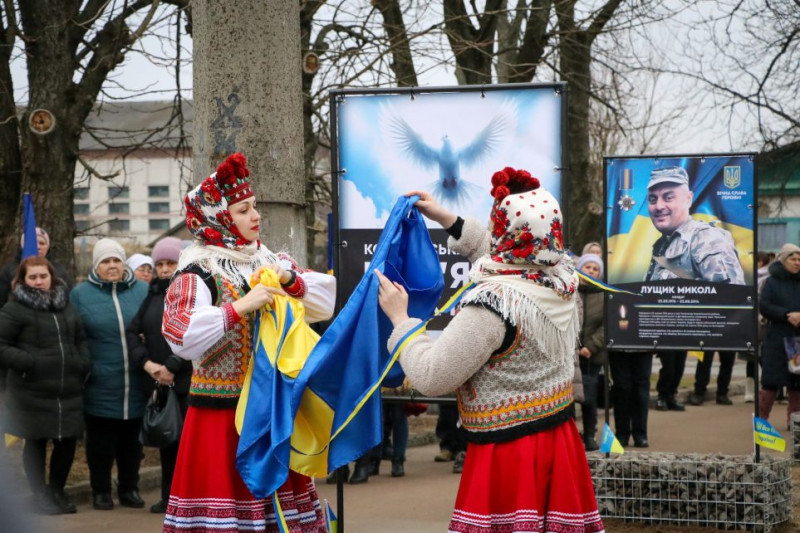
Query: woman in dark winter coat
[[151, 353], [42, 346], [779, 303], [592, 349]]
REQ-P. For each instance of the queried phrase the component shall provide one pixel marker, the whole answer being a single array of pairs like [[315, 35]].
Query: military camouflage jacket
[[696, 250]]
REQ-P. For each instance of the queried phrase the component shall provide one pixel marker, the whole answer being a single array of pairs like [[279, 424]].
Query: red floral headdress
[[207, 213], [526, 227]]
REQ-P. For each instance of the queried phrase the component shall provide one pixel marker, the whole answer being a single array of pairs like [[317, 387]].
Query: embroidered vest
[[219, 374], [517, 392]]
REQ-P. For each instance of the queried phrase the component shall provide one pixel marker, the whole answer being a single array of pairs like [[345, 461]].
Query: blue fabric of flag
[[262, 457], [352, 355], [31, 246]]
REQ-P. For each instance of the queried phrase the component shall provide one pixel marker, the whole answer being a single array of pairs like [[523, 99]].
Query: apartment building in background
[[135, 169]]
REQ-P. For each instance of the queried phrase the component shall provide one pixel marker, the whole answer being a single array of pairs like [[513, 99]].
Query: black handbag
[[163, 420]]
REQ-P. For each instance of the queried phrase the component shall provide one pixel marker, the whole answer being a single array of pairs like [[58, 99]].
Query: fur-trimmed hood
[[55, 299]]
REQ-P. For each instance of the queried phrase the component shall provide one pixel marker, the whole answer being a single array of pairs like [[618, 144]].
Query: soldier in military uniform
[[687, 249]]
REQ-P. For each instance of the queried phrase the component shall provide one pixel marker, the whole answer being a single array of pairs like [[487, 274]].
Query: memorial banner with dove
[[447, 141]]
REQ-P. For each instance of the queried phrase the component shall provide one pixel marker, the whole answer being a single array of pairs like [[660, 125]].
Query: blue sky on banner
[[379, 170]]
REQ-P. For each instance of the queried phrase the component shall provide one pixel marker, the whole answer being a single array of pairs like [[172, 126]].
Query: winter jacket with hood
[[779, 296], [44, 350], [115, 386]]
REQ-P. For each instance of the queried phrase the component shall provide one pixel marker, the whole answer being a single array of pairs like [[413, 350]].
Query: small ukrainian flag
[[610, 444], [767, 436], [330, 518]]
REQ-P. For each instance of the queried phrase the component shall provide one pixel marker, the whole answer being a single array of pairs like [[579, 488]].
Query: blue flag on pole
[[31, 244]]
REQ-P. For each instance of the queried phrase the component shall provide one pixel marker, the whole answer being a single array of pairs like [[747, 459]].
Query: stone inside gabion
[[795, 427], [720, 491]]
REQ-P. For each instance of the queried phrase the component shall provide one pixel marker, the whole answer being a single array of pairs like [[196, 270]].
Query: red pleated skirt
[[209, 495], [540, 482]]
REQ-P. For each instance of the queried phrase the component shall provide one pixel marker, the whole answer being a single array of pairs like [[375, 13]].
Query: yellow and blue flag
[[340, 382], [312, 405], [609, 443], [331, 522], [767, 436], [282, 341]]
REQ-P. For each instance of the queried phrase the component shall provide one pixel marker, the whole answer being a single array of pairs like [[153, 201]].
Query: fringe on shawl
[[225, 262], [521, 311]]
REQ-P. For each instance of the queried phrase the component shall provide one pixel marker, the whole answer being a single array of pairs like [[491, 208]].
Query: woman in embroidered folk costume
[[509, 355], [208, 318]]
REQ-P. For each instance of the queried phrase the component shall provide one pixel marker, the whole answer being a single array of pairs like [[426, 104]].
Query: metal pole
[[756, 403]]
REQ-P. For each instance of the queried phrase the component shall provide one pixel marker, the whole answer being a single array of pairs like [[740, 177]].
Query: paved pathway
[[421, 501]]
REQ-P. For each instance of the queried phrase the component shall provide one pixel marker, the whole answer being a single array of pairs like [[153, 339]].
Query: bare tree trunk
[[48, 161], [10, 157], [575, 56], [473, 47], [402, 62], [518, 56], [310, 136]]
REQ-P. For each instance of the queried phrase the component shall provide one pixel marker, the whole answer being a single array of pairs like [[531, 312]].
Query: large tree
[[69, 48]]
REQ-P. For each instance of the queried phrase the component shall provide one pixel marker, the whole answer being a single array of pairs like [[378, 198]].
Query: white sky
[[704, 127]]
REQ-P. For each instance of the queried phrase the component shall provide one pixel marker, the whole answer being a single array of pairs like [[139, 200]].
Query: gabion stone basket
[[718, 491], [795, 427]]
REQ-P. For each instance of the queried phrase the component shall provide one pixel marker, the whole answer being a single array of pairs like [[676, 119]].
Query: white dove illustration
[[450, 188]]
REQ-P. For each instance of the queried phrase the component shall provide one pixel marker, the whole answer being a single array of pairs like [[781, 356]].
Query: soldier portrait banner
[[444, 140], [680, 233]]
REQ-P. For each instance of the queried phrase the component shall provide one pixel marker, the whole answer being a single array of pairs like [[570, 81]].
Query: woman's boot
[[765, 400], [397, 468], [794, 406]]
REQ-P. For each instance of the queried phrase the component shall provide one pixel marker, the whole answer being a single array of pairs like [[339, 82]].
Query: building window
[[771, 236], [119, 209], [159, 224], [80, 209], [118, 192], [159, 207], [118, 226], [81, 225], [158, 191], [81, 193]]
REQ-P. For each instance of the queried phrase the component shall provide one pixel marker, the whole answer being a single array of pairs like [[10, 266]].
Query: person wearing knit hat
[[591, 264], [168, 248], [592, 351], [151, 353], [779, 303], [208, 318], [113, 401], [592, 248], [510, 349], [142, 266], [42, 241]]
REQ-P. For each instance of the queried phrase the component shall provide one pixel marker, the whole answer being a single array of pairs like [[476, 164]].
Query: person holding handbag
[[151, 353], [43, 348]]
